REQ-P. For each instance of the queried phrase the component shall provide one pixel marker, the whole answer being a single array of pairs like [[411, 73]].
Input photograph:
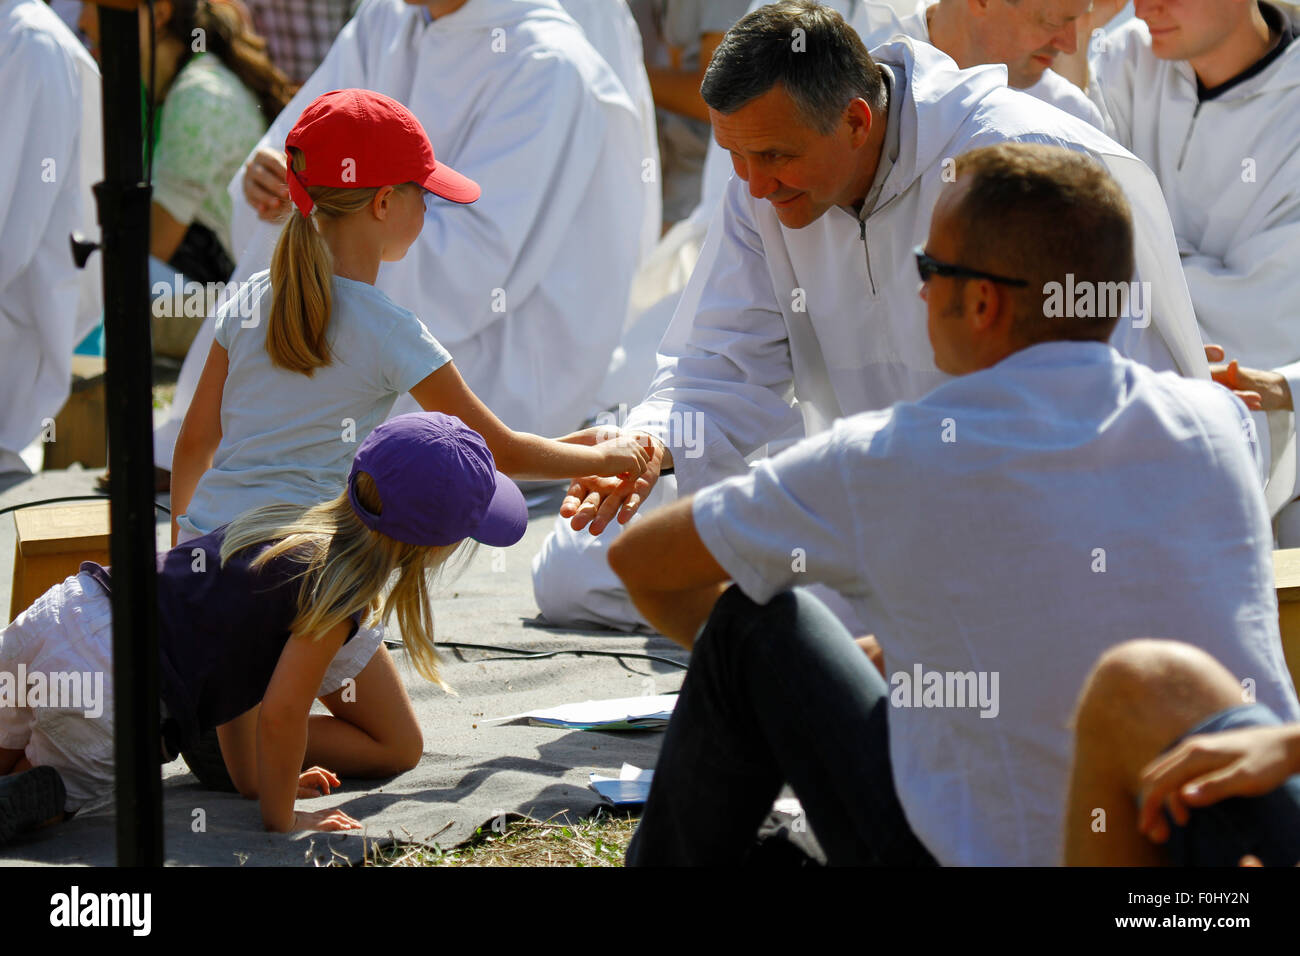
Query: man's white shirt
[[1017, 521]]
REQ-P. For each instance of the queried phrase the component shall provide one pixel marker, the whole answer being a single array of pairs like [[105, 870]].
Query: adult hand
[[594, 501], [1261, 390], [316, 782], [266, 184], [1208, 768]]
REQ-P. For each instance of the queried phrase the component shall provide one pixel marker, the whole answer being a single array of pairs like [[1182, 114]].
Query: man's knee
[[780, 624], [1155, 688]]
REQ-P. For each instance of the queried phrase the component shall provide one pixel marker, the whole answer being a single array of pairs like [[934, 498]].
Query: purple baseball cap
[[438, 484]]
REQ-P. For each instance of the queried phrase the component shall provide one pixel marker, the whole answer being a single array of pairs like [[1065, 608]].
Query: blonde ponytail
[[347, 566], [301, 272]]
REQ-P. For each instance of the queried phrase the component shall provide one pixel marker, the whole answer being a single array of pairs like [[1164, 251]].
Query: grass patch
[[599, 840]]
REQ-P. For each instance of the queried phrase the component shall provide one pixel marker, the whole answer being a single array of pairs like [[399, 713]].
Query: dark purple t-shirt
[[220, 630]]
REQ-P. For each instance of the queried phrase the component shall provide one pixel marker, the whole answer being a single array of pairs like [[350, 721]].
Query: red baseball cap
[[360, 138]]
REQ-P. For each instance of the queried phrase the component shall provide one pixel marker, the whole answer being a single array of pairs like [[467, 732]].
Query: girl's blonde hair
[[301, 268], [346, 567]]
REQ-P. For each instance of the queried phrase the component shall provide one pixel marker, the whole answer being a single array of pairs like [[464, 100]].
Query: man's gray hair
[[817, 58]]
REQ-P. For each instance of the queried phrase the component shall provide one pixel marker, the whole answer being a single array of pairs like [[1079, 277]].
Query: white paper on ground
[[632, 785], [624, 713]]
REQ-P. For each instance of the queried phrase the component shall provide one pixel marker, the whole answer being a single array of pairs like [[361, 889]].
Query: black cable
[[519, 654], [55, 501]]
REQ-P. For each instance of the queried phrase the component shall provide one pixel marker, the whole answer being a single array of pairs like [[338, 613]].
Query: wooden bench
[[1286, 578], [80, 432], [51, 543]]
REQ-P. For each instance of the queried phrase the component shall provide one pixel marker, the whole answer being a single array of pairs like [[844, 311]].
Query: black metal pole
[[123, 200]]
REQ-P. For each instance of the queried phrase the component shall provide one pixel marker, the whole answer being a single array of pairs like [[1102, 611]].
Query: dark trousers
[[776, 693]]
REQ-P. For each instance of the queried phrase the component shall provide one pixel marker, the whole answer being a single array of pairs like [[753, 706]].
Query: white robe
[[612, 30], [774, 314], [1230, 171], [527, 288], [52, 154]]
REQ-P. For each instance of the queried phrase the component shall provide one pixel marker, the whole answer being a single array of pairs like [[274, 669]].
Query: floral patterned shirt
[[210, 123]]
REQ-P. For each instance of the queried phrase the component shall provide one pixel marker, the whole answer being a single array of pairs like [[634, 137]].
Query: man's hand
[[266, 185], [596, 501], [1208, 768], [1262, 391]]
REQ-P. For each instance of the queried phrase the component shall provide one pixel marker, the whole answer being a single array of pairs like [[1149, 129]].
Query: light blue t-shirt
[[287, 438]]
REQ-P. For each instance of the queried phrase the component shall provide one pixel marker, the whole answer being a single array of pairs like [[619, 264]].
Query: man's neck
[[952, 33], [440, 8], [1238, 51], [872, 150]]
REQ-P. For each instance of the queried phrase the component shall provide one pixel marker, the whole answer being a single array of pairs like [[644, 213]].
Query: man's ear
[[984, 304], [860, 119]]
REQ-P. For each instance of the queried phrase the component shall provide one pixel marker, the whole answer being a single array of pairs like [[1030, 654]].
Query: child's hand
[[316, 782], [324, 820], [625, 455]]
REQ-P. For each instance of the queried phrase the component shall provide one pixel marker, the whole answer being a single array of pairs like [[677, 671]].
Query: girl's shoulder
[[246, 305], [370, 304]]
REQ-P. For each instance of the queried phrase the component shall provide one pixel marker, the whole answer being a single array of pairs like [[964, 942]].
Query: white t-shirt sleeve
[[790, 521], [409, 354], [226, 322]]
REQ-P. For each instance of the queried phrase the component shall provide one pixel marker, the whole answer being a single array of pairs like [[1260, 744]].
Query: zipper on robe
[[862, 234], [1188, 139]]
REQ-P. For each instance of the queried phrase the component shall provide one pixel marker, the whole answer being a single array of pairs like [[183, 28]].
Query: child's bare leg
[[1140, 697], [372, 734]]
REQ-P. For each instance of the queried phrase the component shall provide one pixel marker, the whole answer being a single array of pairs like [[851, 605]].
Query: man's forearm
[[678, 91], [678, 615]]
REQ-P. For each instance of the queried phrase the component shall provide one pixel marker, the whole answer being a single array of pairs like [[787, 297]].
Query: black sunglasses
[[927, 266]]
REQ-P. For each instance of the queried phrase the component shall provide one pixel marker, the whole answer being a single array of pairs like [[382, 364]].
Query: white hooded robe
[[1230, 171], [52, 155]]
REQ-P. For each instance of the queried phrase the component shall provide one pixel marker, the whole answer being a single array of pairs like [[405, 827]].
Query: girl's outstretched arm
[[282, 732], [522, 455], [200, 433]]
